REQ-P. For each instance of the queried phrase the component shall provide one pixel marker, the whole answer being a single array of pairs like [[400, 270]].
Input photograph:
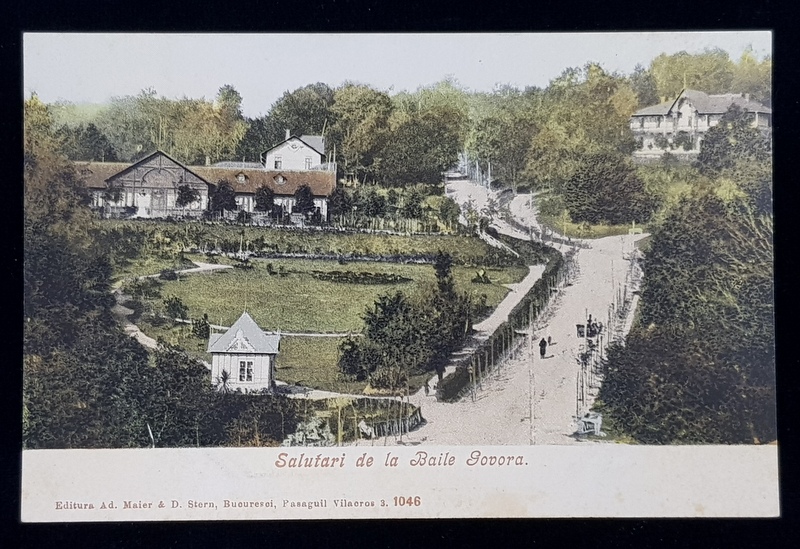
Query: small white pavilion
[[246, 354]]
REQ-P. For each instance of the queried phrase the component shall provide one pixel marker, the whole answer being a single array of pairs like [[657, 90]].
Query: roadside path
[[530, 400], [123, 313]]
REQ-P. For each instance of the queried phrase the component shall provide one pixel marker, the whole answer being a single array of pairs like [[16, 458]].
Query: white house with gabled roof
[[679, 125], [306, 152], [246, 354]]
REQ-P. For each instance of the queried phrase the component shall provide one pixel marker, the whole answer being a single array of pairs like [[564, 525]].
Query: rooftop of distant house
[[706, 104]]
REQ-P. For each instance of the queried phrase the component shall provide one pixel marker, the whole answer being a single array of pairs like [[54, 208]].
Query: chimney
[[288, 135], [747, 97]]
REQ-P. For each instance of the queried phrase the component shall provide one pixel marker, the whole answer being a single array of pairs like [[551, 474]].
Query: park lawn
[[295, 301], [179, 335], [313, 362], [308, 361], [575, 230], [148, 265]]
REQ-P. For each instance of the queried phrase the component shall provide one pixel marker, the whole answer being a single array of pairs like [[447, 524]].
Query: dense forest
[[697, 367]]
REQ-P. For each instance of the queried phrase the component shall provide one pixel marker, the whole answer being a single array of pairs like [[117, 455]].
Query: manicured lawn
[[298, 302], [312, 361], [574, 230], [147, 266], [293, 300]]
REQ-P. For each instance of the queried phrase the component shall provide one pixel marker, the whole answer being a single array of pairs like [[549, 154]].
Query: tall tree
[[265, 199], [754, 77], [421, 148], [304, 199], [306, 110], [710, 71], [360, 127], [223, 198], [732, 140], [644, 86], [606, 189]]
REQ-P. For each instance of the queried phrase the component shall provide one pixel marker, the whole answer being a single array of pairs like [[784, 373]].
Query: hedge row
[[505, 339]]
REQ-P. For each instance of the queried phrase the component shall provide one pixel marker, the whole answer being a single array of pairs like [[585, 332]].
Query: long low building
[[149, 188]]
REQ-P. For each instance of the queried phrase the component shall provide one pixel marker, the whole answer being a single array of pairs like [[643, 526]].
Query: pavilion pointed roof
[[244, 337]]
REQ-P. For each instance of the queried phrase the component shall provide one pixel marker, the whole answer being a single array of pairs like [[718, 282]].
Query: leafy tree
[[412, 204], [504, 139], [449, 211], [368, 202], [754, 77], [175, 308], [644, 86], [710, 71], [359, 128], [443, 264], [606, 188], [340, 202], [256, 140], [201, 328], [583, 111], [306, 110], [265, 199], [732, 140], [86, 143], [186, 196], [421, 148], [223, 198], [700, 366], [304, 199]]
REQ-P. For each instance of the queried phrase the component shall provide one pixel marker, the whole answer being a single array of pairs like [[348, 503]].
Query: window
[[278, 162], [245, 370], [308, 162]]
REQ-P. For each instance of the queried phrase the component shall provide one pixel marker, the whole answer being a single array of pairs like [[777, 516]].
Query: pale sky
[[92, 68]]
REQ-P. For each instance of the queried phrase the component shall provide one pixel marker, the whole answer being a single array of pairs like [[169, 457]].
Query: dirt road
[[532, 400]]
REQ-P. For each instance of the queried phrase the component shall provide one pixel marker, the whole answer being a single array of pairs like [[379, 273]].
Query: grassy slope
[[299, 302]]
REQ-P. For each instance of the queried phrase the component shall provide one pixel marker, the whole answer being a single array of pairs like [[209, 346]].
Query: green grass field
[[148, 266], [298, 302]]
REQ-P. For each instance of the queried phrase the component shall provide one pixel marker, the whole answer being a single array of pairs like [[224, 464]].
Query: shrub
[[175, 308], [201, 327], [168, 274]]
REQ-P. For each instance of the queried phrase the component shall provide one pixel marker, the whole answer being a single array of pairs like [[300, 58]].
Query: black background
[[409, 16]]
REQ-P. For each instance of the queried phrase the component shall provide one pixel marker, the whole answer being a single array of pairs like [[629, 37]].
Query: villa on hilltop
[[679, 125]]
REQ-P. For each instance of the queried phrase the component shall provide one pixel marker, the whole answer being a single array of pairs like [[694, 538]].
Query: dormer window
[[279, 179], [241, 178]]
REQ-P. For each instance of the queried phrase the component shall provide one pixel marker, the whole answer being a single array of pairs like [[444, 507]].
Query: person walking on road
[[543, 347]]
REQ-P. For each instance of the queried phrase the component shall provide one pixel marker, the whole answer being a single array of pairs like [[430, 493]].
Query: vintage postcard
[[304, 276]]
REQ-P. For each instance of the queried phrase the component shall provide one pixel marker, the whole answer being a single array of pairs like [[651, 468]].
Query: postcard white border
[[592, 480]]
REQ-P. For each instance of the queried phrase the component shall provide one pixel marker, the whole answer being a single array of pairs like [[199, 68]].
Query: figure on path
[[543, 347], [427, 389]]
